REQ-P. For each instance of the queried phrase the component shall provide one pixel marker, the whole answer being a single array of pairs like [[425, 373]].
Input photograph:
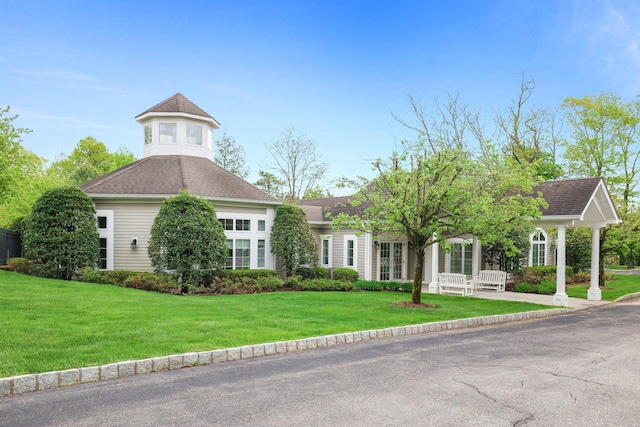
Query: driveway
[[571, 370]]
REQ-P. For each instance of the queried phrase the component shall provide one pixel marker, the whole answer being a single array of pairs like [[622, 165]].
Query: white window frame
[[196, 138], [538, 243], [326, 239], [174, 134], [106, 233], [447, 256], [350, 238]]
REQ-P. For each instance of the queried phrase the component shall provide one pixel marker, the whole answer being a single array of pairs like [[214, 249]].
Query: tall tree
[[292, 240], [187, 240], [434, 189], [295, 161], [13, 157], [270, 184], [61, 235], [606, 143], [230, 155], [90, 159]]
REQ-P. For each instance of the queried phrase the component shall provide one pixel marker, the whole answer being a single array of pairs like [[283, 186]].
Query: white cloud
[[67, 79]]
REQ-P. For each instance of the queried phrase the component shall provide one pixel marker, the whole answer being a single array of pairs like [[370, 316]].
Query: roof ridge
[[184, 173]]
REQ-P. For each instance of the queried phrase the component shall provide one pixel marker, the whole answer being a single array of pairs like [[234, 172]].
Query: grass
[[621, 285], [52, 324]]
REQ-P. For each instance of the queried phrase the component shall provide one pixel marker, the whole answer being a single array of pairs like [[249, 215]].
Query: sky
[[335, 70]]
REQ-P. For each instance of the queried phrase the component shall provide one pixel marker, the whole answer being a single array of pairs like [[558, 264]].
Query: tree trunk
[[417, 276]]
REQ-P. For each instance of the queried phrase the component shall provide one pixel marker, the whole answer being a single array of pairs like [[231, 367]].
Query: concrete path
[[576, 303]]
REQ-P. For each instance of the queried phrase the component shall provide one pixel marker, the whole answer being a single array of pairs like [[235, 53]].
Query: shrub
[[346, 274], [546, 287], [271, 283], [323, 285], [255, 274], [61, 235], [152, 282], [105, 277], [188, 240], [20, 265], [365, 285], [538, 274], [581, 277], [292, 240], [312, 272]]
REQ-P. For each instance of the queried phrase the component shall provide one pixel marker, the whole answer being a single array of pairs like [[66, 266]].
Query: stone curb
[[48, 380], [626, 297]]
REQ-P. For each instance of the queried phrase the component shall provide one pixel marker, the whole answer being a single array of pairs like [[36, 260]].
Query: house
[[582, 202], [177, 138]]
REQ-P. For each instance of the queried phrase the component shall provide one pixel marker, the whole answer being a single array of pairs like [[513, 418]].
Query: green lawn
[[51, 324], [614, 289]]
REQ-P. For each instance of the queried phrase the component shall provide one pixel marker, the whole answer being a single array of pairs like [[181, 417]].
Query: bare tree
[[294, 159]]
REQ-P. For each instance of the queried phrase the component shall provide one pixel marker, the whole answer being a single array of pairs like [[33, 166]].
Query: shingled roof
[[177, 103], [168, 175], [571, 199]]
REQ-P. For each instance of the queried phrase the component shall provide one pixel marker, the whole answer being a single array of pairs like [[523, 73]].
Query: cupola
[[177, 126]]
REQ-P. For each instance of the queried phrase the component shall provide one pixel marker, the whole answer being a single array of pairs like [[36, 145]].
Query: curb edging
[[21, 384]]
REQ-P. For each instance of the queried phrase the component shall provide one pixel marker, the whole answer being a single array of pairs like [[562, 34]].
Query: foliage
[[496, 253], [12, 156], [365, 285], [606, 143], [253, 274], [538, 274], [312, 272], [345, 274], [20, 265], [89, 159], [578, 246], [105, 277], [187, 240], [546, 287], [270, 184], [434, 189], [61, 235], [294, 160], [292, 240], [323, 285], [151, 282], [230, 155]]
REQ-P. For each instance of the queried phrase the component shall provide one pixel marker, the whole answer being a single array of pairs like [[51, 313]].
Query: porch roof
[[579, 202]]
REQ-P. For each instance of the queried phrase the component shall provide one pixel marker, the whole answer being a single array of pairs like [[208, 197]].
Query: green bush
[[346, 274], [581, 277], [312, 273], [105, 277], [255, 274], [365, 285], [537, 275], [323, 285], [61, 235], [546, 287], [152, 282], [20, 265]]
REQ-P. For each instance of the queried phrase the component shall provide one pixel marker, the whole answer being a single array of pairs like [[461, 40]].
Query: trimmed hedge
[[346, 274], [365, 285], [20, 265], [322, 285]]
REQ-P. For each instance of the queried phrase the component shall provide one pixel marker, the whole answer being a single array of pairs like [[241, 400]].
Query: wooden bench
[[490, 279], [452, 283]]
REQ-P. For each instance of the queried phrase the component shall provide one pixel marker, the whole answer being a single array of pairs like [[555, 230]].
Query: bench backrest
[[493, 276], [452, 278]]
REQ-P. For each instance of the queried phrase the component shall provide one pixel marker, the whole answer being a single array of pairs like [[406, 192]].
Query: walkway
[[576, 303]]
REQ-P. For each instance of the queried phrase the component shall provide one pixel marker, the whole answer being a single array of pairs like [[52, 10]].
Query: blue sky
[[333, 69]]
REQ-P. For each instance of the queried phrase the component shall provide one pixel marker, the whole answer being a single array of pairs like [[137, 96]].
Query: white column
[[594, 292], [561, 297], [433, 285], [368, 256], [475, 260]]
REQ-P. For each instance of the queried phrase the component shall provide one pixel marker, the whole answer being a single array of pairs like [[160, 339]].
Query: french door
[[390, 261]]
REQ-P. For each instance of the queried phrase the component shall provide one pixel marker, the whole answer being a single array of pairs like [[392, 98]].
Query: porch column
[[433, 285], [594, 292], [561, 297], [475, 258]]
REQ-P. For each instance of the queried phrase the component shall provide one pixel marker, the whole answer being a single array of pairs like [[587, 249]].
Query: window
[[261, 225], [102, 222], [538, 251], [243, 254], [227, 224], [148, 139], [350, 251], [261, 253], [228, 263], [194, 134], [243, 225], [103, 253], [168, 133], [461, 258], [325, 251]]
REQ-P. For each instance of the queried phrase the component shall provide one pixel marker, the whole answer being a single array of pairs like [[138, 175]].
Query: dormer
[[177, 126]]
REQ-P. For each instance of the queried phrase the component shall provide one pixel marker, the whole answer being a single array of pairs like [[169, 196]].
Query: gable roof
[[318, 210], [581, 202], [163, 176], [179, 104]]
